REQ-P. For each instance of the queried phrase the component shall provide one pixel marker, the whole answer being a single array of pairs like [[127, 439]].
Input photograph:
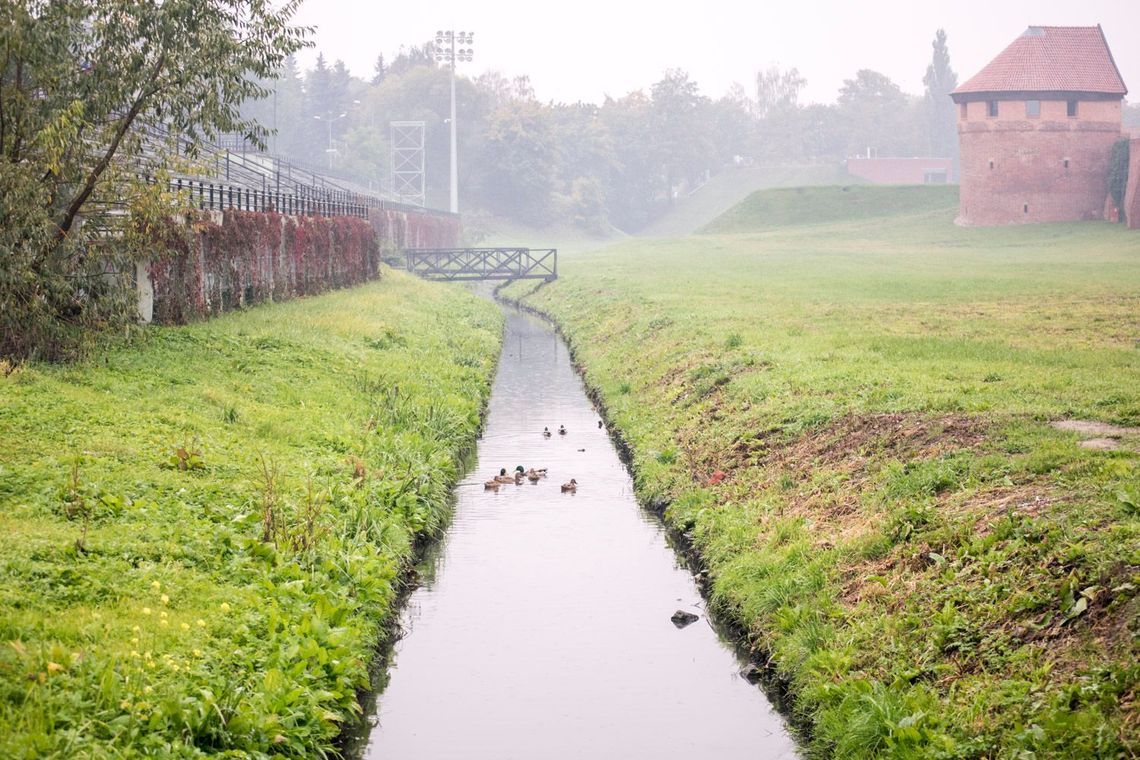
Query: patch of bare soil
[[1100, 444], [1094, 429]]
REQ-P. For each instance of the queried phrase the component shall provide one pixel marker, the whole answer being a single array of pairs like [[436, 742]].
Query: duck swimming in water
[[546, 432], [570, 487], [503, 477], [491, 485], [561, 430]]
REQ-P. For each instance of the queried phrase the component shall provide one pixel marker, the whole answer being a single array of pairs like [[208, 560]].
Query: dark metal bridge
[[463, 264]]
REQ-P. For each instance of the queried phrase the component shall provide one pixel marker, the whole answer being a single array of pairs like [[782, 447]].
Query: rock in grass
[[681, 618]]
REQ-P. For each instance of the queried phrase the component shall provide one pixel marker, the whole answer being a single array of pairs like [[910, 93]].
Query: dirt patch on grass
[[848, 447], [1094, 429]]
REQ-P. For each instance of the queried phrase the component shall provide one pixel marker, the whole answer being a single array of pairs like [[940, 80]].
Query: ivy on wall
[[212, 263]]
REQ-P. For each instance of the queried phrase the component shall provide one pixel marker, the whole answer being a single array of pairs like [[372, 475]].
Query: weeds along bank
[[202, 532], [851, 420]]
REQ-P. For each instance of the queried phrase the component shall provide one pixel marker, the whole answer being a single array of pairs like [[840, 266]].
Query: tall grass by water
[[845, 401], [203, 532]]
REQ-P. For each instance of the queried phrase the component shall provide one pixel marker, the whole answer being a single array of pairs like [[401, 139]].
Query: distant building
[[902, 171], [1036, 128]]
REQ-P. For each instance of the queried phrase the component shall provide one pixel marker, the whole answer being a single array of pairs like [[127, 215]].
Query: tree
[[778, 91], [940, 81], [518, 162], [84, 85], [379, 70], [876, 114], [681, 145]]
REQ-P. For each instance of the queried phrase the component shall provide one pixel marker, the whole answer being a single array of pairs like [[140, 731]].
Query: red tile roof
[[1051, 59]]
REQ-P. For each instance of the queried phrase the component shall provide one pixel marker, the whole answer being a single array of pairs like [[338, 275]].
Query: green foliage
[[78, 92], [934, 570], [186, 586], [1118, 172]]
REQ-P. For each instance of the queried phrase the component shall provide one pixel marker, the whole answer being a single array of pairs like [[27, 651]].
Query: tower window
[[1071, 108], [1025, 209], [1032, 108], [1066, 162], [991, 108], [991, 163]]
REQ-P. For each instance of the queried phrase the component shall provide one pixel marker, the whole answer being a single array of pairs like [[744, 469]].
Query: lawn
[[845, 400], [204, 530]]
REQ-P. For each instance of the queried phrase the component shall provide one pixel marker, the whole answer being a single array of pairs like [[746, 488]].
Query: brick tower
[[1036, 128]]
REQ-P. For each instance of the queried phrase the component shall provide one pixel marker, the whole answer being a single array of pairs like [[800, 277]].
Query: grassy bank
[[845, 402], [202, 533]]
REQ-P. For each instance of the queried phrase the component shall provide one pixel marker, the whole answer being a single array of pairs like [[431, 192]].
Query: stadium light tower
[[452, 48]]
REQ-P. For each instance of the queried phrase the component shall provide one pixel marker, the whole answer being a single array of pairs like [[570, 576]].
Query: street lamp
[[329, 119], [451, 48]]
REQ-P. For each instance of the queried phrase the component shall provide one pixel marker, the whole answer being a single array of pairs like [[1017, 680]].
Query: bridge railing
[[467, 264]]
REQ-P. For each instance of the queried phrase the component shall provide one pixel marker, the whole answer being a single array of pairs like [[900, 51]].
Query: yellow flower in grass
[[197, 652], [201, 623], [185, 626], [146, 610], [155, 585], [225, 606], [54, 667], [147, 689], [165, 599], [163, 622]]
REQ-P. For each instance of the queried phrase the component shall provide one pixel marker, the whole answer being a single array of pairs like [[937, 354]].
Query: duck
[[570, 487], [491, 485], [533, 476], [561, 430], [503, 477], [546, 432]]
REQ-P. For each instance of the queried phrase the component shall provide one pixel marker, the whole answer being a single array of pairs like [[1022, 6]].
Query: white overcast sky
[[586, 49]]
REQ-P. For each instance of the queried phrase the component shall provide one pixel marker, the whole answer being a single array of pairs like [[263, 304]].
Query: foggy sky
[[586, 49]]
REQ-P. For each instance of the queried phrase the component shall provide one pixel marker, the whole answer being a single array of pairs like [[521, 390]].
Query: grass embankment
[[202, 534], [934, 569]]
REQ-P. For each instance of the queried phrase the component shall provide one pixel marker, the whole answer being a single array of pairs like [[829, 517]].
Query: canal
[[543, 629]]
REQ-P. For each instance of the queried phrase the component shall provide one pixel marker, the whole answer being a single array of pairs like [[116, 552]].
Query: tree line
[[617, 163]]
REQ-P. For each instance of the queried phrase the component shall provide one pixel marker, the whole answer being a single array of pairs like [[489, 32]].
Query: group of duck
[[533, 474]]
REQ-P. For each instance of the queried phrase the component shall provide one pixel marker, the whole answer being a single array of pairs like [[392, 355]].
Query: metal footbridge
[[467, 264]]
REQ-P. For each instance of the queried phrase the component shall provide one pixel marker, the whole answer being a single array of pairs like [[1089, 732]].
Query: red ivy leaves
[[252, 257]]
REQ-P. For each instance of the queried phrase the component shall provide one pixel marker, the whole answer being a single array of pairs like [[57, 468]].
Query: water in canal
[[544, 630]]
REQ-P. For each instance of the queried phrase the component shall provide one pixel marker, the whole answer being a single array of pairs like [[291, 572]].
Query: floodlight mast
[[449, 51]]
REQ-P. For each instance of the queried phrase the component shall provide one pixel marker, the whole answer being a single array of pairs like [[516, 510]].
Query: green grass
[[731, 186], [820, 205], [935, 571], [203, 532]]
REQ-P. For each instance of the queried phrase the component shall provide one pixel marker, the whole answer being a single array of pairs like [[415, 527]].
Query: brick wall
[[1132, 196], [1013, 169], [900, 171]]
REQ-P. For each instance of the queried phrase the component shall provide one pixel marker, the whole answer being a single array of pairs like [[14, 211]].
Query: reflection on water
[[545, 630]]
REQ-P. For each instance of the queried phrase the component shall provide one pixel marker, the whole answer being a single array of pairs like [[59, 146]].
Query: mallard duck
[[561, 430], [491, 485], [570, 487], [546, 432], [503, 477], [533, 476]]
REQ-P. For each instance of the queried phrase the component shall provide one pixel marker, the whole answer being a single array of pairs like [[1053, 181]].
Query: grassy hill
[[845, 401], [731, 186], [785, 207]]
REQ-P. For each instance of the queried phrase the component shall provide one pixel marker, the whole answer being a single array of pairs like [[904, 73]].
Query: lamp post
[[447, 52], [329, 119]]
